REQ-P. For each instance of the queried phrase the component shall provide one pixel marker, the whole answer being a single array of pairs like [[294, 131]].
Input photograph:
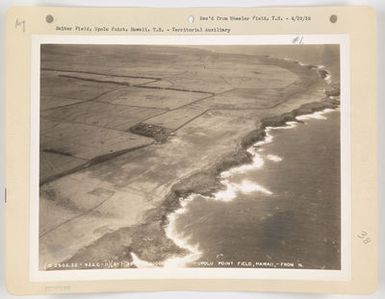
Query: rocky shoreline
[[207, 182]]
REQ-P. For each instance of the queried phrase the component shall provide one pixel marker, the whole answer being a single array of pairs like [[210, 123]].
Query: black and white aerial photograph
[[189, 156]]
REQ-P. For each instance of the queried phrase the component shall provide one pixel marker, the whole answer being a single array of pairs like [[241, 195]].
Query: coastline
[[178, 199], [208, 182], [230, 193]]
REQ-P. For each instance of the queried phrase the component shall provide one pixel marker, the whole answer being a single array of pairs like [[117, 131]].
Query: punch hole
[[49, 19], [190, 19], [333, 18]]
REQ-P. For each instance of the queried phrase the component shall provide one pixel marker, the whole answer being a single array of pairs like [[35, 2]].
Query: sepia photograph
[[191, 149], [189, 156]]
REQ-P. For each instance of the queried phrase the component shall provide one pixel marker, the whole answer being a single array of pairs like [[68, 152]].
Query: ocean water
[[281, 211]]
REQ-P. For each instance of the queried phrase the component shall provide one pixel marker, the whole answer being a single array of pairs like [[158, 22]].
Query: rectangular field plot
[[117, 117], [156, 98]]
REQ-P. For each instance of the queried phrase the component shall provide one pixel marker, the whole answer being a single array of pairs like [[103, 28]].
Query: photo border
[[195, 273]]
